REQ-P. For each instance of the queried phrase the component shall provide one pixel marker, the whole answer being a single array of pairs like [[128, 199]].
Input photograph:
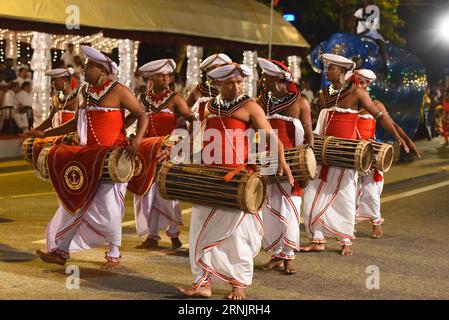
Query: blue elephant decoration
[[401, 77]]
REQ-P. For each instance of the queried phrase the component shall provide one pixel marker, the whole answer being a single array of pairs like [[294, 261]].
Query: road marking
[[15, 173], [415, 191], [29, 195], [124, 224]]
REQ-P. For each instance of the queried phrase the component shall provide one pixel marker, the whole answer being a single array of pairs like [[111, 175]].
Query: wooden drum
[[345, 153], [205, 185], [383, 156], [117, 166], [301, 160]]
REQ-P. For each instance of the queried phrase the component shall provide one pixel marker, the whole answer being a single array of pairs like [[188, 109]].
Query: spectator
[[23, 75], [25, 101], [8, 73], [18, 114], [68, 56], [306, 92]]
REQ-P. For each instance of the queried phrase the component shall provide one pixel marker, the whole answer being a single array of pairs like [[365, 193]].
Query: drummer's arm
[[260, 122], [401, 132], [130, 102], [47, 122], [183, 109], [305, 117], [383, 117], [67, 127], [191, 98]]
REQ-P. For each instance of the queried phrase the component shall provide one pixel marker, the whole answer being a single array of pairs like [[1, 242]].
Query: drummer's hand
[[164, 154], [132, 148], [414, 148], [31, 133], [403, 145], [285, 169]]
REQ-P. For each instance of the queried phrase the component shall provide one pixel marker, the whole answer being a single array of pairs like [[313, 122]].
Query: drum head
[[27, 149], [385, 158], [255, 191], [122, 168], [364, 156], [310, 162], [42, 169]]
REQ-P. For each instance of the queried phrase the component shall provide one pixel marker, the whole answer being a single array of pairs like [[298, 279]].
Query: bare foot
[[313, 247], [289, 268], [274, 263], [377, 231], [111, 262], [236, 294], [148, 243], [51, 257], [176, 243], [200, 292], [346, 250]]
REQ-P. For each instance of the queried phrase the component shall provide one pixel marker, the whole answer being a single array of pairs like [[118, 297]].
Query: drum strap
[[228, 177]]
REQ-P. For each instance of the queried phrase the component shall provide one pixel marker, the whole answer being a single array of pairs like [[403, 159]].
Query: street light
[[443, 28]]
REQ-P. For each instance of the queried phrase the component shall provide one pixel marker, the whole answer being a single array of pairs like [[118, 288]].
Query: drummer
[[223, 242], [329, 201], [289, 113], [207, 89], [100, 122], [163, 106], [370, 186], [64, 102]]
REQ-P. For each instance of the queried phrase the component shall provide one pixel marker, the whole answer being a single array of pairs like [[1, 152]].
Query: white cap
[[363, 74], [214, 60], [329, 58], [274, 68], [164, 66], [230, 70], [57, 73], [97, 56]]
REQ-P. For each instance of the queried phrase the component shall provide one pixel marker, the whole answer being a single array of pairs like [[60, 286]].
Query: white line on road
[[415, 191], [15, 173]]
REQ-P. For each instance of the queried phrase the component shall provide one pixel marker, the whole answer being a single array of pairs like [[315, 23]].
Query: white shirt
[[25, 98], [10, 99], [21, 80], [308, 94], [68, 57]]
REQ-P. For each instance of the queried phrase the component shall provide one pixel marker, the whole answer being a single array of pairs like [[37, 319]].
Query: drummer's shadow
[[120, 280]]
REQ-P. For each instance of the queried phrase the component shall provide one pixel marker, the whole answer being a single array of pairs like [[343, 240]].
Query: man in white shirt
[[22, 76], [10, 100], [68, 56], [25, 101]]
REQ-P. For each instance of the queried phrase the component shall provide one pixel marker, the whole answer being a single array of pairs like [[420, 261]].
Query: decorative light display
[[194, 55], [294, 64], [250, 60], [127, 65], [40, 62]]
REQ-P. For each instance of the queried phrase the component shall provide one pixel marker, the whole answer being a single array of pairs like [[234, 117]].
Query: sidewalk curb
[[394, 186]]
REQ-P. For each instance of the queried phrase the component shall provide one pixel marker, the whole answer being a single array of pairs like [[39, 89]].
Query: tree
[[318, 19]]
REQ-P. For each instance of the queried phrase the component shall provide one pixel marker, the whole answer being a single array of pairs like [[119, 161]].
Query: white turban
[[57, 73], [329, 58], [164, 66], [363, 74], [97, 56], [229, 71], [214, 60], [273, 69]]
